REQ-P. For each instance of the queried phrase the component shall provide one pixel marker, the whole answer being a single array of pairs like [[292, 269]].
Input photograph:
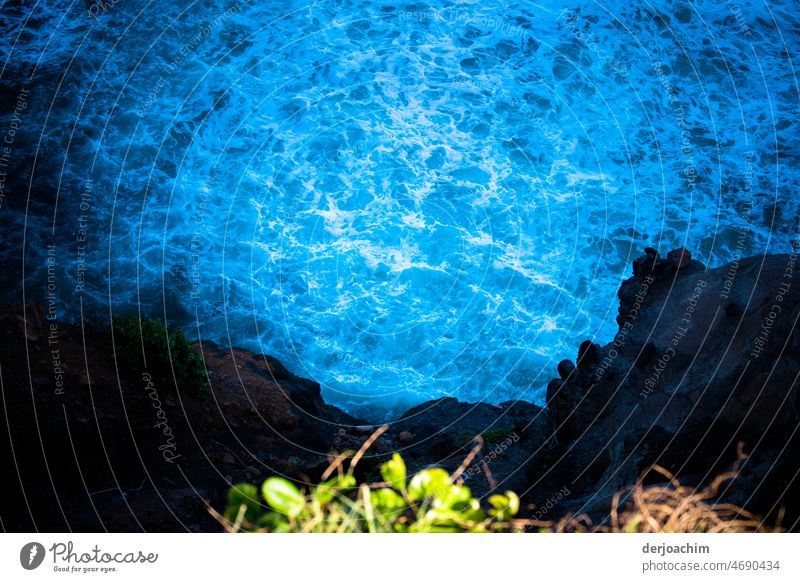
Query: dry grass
[[672, 508]]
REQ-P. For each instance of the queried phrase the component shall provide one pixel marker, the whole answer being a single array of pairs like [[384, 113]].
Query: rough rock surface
[[704, 360], [513, 433], [129, 452]]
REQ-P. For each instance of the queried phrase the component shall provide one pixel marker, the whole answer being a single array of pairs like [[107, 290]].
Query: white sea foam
[[447, 204]]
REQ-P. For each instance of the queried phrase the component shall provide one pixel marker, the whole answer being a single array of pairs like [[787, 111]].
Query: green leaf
[[283, 496], [428, 483], [504, 506], [446, 520], [453, 497], [387, 501], [325, 491], [513, 502], [475, 513], [247, 495], [274, 522], [394, 472]]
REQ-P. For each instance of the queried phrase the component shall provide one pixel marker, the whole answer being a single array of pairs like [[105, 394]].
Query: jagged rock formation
[[703, 360]]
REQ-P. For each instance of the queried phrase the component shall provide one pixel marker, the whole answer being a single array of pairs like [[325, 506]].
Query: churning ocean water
[[402, 201]]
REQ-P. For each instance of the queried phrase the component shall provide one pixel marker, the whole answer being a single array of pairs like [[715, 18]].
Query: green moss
[[148, 345], [497, 435]]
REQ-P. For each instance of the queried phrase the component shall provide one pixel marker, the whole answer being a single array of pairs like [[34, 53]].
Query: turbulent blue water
[[402, 201]]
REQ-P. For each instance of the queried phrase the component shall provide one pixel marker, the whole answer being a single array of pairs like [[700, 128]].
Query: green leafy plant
[[165, 350], [430, 501]]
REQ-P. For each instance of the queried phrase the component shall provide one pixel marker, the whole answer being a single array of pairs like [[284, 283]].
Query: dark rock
[[679, 258], [444, 432], [644, 265], [553, 388], [711, 385], [565, 369], [646, 355], [106, 435], [732, 310], [588, 355]]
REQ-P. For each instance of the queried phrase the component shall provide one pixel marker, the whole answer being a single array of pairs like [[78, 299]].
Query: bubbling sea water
[[404, 201]]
